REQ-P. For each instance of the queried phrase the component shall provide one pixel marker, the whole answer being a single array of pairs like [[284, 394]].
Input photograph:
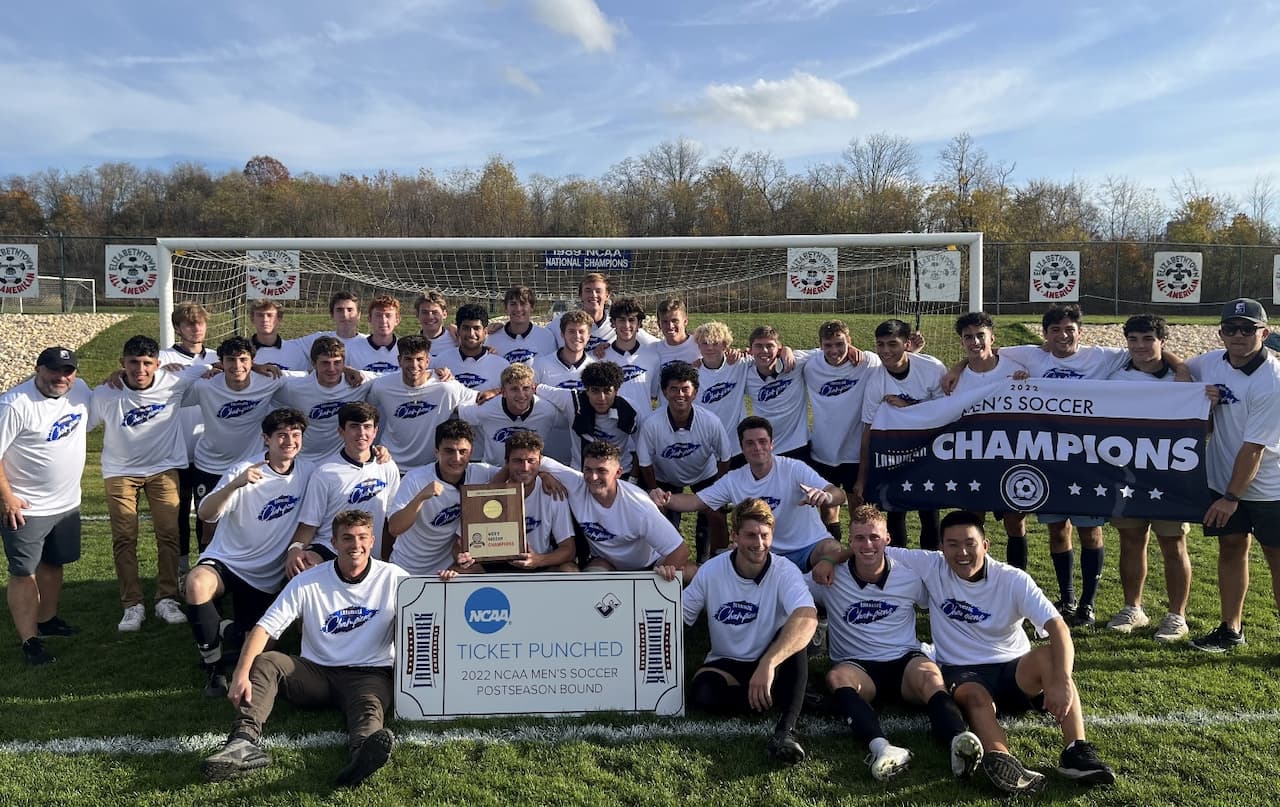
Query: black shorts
[[1000, 680], [740, 671], [1262, 519], [843, 476], [248, 604], [886, 675]]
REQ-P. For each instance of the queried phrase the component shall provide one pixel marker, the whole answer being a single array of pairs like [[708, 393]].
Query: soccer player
[[761, 618], [1243, 462], [321, 393], [377, 352], [517, 409], [777, 392], [976, 609], [348, 613], [1145, 335], [683, 446], [875, 655], [269, 346], [344, 310], [255, 506], [676, 345], [519, 339], [563, 368], [472, 364], [432, 311], [598, 413], [639, 366], [43, 422], [721, 383], [593, 294]]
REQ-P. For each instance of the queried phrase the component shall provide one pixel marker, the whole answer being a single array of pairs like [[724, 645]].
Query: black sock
[[701, 538], [206, 629], [929, 529], [945, 717], [1017, 552], [711, 692], [1064, 566], [834, 529], [790, 680], [897, 523], [861, 719], [1090, 572]]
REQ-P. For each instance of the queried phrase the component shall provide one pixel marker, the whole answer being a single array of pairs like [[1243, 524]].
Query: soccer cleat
[[132, 620], [1066, 608], [966, 754], [237, 756], [1173, 628], [35, 654], [1128, 619], [784, 747], [1007, 774], [1082, 617], [818, 644], [216, 686], [169, 611], [891, 761], [372, 754], [56, 626], [1219, 640], [1080, 762]]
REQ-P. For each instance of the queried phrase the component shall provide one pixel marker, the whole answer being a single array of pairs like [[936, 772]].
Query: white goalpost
[[908, 275]]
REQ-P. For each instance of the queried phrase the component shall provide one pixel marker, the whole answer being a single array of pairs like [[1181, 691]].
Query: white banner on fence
[[273, 274], [502, 644], [936, 275], [1177, 278], [1055, 277], [19, 270], [132, 272], [812, 273], [1275, 279]]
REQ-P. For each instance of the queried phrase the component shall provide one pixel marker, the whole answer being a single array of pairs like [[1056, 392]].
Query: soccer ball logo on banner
[[1055, 276], [18, 271], [811, 273], [273, 274], [1177, 277], [936, 277], [132, 272], [1024, 488]]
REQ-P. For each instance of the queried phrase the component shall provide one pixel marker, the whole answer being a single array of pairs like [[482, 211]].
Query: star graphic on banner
[[951, 486], [975, 485], [1156, 493], [906, 486], [1126, 492], [1100, 490], [928, 485], [1074, 488]]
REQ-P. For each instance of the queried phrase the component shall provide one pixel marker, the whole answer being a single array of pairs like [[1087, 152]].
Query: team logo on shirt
[[504, 434], [470, 380], [718, 392], [531, 524], [738, 612], [962, 611], [414, 409], [599, 434], [380, 367], [326, 410], [488, 610], [595, 342], [902, 396], [1225, 395], [365, 490], [518, 354], [235, 409], [773, 389], [348, 619], [678, 451], [1063, 372], [865, 612], [597, 533], [64, 426], [771, 501], [141, 414], [571, 383], [447, 516], [838, 387], [279, 506], [630, 372]]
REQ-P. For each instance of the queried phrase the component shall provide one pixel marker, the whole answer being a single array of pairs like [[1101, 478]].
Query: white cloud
[[581, 19], [785, 104], [519, 78]]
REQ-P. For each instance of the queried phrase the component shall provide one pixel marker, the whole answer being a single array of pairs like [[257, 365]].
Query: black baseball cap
[[56, 358], [1245, 308]]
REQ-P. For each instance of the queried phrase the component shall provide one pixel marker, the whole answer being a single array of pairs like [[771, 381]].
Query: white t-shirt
[[363, 354], [494, 424], [142, 429], [410, 416], [1005, 367], [872, 621], [479, 374], [192, 419], [427, 546], [743, 615], [343, 624], [664, 354], [978, 622], [42, 443], [257, 522], [342, 483], [1131, 373], [796, 525], [539, 341], [722, 393], [686, 455], [835, 393], [549, 370], [1248, 411], [287, 354], [781, 399], [443, 342], [320, 405], [1089, 361], [923, 383], [547, 522], [639, 377], [607, 428], [232, 419], [602, 333]]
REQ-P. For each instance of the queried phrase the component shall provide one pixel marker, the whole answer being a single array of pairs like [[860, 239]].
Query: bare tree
[[1261, 204], [880, 163]]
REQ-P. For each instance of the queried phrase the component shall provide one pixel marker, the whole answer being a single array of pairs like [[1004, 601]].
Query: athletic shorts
[[1260, 518], [800, 557], [886, 675], [54, 540], [1079, 521], [1000, 680], [1161, 527], [248, 604], [800, 453], [740, 671], [843, 475]]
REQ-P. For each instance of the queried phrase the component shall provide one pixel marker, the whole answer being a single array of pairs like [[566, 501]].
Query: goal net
[[77, 294], [926, 279]]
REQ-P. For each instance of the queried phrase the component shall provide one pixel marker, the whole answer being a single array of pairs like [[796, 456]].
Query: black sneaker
[[1066, 608], [1007, 774], [372, 754], [1219, 640], [1080, 761], [236, 757], [784, 747], [1082, 617], [56, 627], [35, 654], [216, 686]]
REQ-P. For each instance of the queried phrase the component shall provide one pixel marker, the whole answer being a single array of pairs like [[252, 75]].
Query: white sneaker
[[133, 618], [966, 754], [169, 610], [1173, 628], [890, 762], [1129, 619]]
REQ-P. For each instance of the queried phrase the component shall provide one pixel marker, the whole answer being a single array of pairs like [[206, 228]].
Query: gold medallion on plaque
[[493, 521]]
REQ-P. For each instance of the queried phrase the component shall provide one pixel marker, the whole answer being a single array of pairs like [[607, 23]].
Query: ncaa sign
[[488, 610]]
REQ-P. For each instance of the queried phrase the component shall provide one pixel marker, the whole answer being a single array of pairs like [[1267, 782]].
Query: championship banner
[[1055, 277], [812, 273], [1090, 448], [19, 270], [935, 277], [545, 644], [1177, 277], [273, 274], [132, 272], [587, 260]]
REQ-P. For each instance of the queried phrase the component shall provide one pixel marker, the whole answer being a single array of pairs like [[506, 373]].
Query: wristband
[[1231, 497], [297, 545]]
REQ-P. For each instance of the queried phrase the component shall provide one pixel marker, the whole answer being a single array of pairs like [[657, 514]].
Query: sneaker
[[891, 761], [1080, 761], [237, 756], [1065, 608], [216, 686], [1082, 618], [1007, 774], [372, 754], [1128, 619], [784, 747], [133, 618], [1219, 640], [35, 654], [169, 610], [1173, 628], [56, 627], [966, 754], [818, 644]]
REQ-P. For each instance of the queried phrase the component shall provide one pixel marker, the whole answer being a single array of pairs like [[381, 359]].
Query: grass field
[[120, 718]]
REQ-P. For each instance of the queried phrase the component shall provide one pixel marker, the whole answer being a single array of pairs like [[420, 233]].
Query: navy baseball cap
[[56, 358], [1245, 308]]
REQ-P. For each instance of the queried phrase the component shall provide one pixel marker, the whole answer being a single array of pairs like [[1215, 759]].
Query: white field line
[[590, 732]]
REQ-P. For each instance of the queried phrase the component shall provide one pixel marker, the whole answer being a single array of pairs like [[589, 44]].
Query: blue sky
[[1150, 90]]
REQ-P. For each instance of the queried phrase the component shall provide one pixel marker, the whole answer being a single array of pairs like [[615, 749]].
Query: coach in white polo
[[43, 422]]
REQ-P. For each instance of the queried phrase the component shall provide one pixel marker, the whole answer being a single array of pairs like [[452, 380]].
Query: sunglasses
[[1240, 330]]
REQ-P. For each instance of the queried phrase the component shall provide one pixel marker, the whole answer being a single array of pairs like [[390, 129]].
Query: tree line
[[674, 189]]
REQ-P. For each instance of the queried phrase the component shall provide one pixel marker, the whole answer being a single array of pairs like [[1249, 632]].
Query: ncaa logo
[[1024, 488], [487, 610]]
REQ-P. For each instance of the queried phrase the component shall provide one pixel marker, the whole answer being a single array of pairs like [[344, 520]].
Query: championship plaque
[[493, 521]]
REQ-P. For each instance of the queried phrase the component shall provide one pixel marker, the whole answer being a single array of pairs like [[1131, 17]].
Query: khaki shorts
[[1166, 529]]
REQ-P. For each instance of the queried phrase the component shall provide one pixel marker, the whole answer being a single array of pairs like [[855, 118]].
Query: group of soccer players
[[606, 427]]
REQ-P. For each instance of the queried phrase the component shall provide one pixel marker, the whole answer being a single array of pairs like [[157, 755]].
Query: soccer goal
[[925, 278], [79, 295]]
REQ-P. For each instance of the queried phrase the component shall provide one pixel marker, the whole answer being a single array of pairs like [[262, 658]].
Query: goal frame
[[167, 246]]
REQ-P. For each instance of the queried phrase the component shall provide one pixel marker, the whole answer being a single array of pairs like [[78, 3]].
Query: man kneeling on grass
[[347, 609]]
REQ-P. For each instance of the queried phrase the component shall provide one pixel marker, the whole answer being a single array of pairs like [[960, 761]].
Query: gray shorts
[[54, 540], [1260, 518]]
